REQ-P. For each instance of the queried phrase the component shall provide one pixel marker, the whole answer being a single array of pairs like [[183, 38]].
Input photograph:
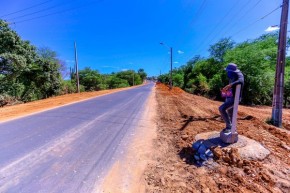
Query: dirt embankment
[[182, 116]]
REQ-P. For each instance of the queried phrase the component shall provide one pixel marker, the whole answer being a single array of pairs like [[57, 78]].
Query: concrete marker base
[[248, 148], [229, 137]]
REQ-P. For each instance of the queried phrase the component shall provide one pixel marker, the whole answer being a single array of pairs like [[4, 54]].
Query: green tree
[[130, 76], [116, 82], [219, 49], [142, 74], [256, 59], [90, 79], [26, 73]]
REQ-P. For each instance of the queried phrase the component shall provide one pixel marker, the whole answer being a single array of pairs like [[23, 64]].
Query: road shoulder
[[126, 175]]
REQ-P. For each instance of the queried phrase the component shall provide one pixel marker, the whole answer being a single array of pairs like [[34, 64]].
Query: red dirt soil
[[181, 116]]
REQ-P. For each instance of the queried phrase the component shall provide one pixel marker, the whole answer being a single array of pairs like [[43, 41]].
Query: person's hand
[[227, 87]]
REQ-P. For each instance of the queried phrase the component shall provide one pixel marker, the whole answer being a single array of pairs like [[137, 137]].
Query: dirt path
[[182, 116]]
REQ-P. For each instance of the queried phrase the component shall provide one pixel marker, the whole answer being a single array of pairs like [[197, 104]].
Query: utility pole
[[171, 67], [77, 71], [171, 53], [277, 103]]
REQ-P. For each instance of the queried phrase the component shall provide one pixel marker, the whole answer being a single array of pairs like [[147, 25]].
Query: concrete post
[[232, 137], [235, 109]]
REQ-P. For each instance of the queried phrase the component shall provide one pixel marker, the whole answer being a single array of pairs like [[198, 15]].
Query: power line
[[21, 10], [55, 13], [39, 11], [227, 24], [217, 25], [193, 20], [199, 11], [257, 21], [248, 11], [249, 24]]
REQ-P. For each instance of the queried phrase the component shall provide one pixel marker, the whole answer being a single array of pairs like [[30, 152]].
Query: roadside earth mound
[[181, 116]]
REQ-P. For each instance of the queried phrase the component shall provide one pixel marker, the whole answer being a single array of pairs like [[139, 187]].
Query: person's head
[[231, 69]]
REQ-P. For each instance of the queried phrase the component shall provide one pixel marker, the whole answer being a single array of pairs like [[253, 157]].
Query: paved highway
[[70, 148]]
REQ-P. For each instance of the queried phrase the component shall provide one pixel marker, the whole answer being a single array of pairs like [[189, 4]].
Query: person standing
[[226, 109]]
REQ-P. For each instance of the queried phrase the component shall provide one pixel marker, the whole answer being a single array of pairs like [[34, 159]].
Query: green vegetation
[[28, 73], [256, 59]]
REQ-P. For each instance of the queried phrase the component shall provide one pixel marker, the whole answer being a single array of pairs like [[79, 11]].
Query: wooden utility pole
[[171, 67], [277, 103], [77, 70], [171, 56]]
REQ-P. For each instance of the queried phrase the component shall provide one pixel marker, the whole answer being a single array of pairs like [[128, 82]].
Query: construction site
[[182, 116]]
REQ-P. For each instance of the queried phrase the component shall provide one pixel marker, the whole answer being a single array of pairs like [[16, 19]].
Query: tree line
[[28, 73], [255, 58]]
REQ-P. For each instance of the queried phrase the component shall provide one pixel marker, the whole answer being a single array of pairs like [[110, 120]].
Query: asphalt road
[[70, 148]]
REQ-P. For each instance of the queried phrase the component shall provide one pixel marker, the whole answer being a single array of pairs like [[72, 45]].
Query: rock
[[240, 163], [162, 181], [227, 159], [217, 152], [265, 178], [247, 170], [223, 170], [184, 137], [246, 162]]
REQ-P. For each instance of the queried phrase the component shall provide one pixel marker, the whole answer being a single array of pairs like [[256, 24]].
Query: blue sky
[[115, 35]]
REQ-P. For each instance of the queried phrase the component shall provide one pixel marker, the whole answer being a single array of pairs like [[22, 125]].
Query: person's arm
[[240, 79]]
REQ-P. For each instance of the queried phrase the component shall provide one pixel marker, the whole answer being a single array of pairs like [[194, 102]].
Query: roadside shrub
[[6, 99]]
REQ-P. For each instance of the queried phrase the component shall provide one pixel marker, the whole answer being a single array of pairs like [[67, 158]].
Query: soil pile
[[181, 116]]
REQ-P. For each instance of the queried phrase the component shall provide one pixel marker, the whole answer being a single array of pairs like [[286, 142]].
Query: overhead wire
[[228, 23], [199, 11], [39, 11], [257, 20], [21, 10], [249, 24], [248, 11], [194, 18], [57, 12], [197, 14], [217, 25]]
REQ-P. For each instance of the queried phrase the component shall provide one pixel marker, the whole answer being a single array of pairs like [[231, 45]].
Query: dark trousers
[[226, 110]]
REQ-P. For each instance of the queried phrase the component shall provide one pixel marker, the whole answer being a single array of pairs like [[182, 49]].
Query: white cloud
[[272, 28], [124, 69], [69, 61], [110, 67], [176, 62], [180, 52]]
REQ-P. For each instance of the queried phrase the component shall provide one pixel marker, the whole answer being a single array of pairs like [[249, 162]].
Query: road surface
[[70, 148]]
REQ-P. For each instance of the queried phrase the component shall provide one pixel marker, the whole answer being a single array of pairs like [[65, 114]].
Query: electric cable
[[227, 24], [55, 13], [39, 11], [248, 11], [217, 25], [21, 10], [257, 20], [199, 11]]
